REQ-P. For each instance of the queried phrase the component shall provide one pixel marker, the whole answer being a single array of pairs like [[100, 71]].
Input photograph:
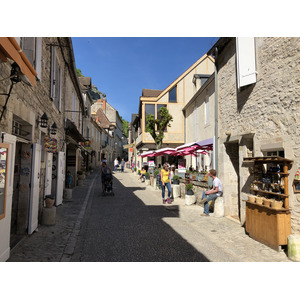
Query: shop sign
[[181, 165], [50, 144]]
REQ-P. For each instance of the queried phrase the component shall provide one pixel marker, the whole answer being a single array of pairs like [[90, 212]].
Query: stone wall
[[270, 109]]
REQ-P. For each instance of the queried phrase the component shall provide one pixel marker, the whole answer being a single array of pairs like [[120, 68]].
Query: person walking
[[105, 169], [122, 165], [116, 164], [211, 195], [165, 182]]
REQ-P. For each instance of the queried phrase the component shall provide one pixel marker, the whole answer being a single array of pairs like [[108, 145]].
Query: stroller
[[108, 186]]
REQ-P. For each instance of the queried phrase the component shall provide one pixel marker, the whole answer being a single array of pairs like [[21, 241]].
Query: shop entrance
[[21, 193], [232, 180]]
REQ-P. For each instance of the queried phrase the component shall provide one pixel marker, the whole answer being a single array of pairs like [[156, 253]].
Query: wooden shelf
[[268, 159], [270, 208], [266, 224], [270, 193], [280, 173], [268, 183]]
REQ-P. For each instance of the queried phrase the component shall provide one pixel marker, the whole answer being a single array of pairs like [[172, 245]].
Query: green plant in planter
[[156, 172], [139, 172], [175, 179], [147, 175], [134, 169], [80, 172], [189, 187]]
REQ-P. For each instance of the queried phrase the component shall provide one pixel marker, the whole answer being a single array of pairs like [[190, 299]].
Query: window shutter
[[28, 47], [60, 88], [246, 67], [206, 109], [38, 57], [53, 72]]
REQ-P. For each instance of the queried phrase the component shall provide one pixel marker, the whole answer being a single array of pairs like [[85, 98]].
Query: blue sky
[[121, 67]]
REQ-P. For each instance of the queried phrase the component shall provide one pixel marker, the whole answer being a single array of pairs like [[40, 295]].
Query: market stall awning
[[202, 145], [165, 151], [145, 154], [206, 144], [9, 48]]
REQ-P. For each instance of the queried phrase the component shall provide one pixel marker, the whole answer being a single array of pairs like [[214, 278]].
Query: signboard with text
[[181, 165]]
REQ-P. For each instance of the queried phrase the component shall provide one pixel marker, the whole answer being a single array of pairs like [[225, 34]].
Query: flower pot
[[49, 202], [176, 181], [81, 176], [189, 192]]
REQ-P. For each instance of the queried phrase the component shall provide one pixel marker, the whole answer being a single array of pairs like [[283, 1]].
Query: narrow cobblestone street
[[133, 226]]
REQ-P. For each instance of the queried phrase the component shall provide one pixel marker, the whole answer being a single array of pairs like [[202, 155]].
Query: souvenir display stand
[[268, 217]]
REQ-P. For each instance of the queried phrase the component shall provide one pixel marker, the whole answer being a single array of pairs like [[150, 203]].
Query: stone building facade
[[174, 97], [257, 119], [37, 153], [200, 120]]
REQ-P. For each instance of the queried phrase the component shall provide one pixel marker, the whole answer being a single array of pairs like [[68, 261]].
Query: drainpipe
[[216, 114]]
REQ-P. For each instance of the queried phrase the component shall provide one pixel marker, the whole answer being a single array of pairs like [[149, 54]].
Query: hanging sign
[[50, 144]]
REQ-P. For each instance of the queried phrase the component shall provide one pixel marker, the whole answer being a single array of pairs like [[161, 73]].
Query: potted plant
[[189, 189], [49, 200], [176, 179], [81, 175], [147, 176], [139, 172]]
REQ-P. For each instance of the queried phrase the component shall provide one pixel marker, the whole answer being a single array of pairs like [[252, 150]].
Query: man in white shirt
[[212, 194], [116, 164]]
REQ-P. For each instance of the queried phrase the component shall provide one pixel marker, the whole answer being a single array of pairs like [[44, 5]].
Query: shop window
[[275, 153], [173, 95], [21, 128]]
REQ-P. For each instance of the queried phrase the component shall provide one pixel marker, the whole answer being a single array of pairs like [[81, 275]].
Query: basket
[[267, 202], [251, 198], [259, 200], [277, 204]]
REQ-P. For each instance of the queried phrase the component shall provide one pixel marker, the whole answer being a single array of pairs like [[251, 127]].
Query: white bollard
[[49, 216], [219, 207], [68, 193], [176, 190], [294, 247], [190, 199]]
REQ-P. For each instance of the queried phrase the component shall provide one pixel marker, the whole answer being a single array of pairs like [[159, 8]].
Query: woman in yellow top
[[165, 182], [142, 176]]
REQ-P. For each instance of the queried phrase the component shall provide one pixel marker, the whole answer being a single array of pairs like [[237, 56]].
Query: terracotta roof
[[102, 119], [150, 93]]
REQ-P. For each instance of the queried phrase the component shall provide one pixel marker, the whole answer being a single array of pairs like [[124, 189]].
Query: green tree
[[156, 127], [125, 125], [79, 74]]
